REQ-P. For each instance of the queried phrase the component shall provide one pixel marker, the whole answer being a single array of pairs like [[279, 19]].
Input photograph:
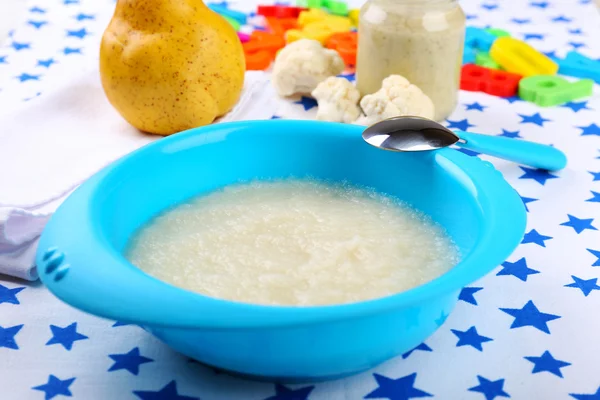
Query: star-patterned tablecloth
[[528, 330]]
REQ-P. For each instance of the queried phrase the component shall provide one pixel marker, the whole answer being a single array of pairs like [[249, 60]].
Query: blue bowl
[[80, 252]]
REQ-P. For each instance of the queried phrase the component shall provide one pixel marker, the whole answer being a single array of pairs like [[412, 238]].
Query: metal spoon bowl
[[408, 133]]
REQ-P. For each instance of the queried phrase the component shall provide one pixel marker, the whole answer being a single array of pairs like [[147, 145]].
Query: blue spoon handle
[[520, 151]]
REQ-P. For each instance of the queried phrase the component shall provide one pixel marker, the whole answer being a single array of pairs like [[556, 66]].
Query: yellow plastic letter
[[518, 57]]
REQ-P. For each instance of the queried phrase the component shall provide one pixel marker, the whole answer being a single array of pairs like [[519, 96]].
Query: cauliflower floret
[[338, 100], [302, 65], [396, 97]]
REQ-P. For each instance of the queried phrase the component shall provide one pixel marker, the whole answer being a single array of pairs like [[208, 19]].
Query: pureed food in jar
[[293, 242], [421, 40]]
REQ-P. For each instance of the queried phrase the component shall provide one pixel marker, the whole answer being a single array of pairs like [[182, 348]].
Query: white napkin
[[58, 140]]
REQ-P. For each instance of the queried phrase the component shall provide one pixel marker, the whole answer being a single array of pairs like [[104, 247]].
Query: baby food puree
[[421, 40], [293, 242]]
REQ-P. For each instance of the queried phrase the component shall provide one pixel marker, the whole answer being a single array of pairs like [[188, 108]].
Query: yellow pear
[[170, 65]]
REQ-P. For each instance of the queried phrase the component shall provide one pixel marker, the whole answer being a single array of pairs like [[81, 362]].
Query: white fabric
[[56, 141]]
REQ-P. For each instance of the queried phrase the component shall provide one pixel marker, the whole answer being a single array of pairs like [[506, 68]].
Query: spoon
[[409, 133]]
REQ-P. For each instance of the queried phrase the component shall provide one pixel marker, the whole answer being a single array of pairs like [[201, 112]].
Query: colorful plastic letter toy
[[344, 43], [318, 29], [279, 26], [480, 79], [259, 60], [236, 25], [520, 58], [317, 15], [469, 55], [260, 40], [244, 37], [354, 16], [226, 12], [260, 50], [498, 32], [580, 66], [479, 39], [337, 7], [310, 3], [279, 11], [484, 60], [552, 90]]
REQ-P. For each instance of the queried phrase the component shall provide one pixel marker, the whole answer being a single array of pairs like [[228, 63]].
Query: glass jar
[[422, 40]]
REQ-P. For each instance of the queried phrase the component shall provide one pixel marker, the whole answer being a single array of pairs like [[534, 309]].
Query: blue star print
[[284, 393], [539, 4], [83, 17], [511, 134], [596, 253], [521, 21], [490, 389], [3, 60], [547, 363], [307, 102], [120, 323], [577, 105], [130, 361], [8, 295], [529, 315], [575, 31], [592, 129], [422, 347], [550, 54], [169, 392], [596, 175], [536, 119], [534, 236], [593, 396], [527, 200], [55, 387], [467, 294], [29, 98], [69, 50], [462, 125], [7, 337], [595, 198], [470, 337], [518, 269], [530, 36], [82, 33], [37, 10], [26, 77], [20, 46], [577, 45], [512, 99], [579, 225], [561, 18], [538, 175], [396, 389], [471, 16], [489, 7], [585, 285], [46, 63], [475, 106], [37, 24], [65, 336], [67, 2], [350, 77]]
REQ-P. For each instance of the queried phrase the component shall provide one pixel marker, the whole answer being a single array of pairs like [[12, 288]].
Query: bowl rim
[[120, 291]]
